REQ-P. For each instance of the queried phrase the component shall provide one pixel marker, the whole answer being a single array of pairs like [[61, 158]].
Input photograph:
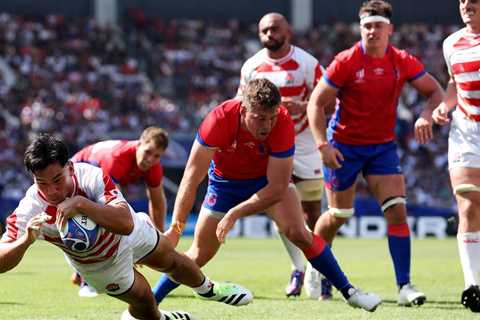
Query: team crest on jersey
[[360, 76], [289, 79], [211, 199], [262, 149]]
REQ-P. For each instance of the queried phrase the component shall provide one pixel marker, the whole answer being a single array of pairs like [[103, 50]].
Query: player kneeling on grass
[[63, 190]]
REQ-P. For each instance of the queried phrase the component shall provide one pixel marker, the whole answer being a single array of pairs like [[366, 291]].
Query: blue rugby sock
[[400, 250], [321, 258], [163, 287]]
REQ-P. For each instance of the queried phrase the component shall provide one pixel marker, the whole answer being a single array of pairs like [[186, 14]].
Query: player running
[[368, 79]]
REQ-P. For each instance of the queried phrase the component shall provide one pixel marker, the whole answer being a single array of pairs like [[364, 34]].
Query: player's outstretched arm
[[11, 252], [157, 206], [195, 171], [429, 87]]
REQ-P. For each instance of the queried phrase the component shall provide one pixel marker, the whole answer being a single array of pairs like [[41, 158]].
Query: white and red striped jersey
[[462, 56], [295, 75], [90, 182]]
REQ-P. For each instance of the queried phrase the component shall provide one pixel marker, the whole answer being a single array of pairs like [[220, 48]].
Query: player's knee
[[344, 213], [466, 187], [297, 234], [393, 202]]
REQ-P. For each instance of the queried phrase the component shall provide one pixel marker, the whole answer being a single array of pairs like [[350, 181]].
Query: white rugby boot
[[408, 295], [365, 300]]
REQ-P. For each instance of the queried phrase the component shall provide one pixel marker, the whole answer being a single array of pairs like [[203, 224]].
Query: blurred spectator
[[90, 83]]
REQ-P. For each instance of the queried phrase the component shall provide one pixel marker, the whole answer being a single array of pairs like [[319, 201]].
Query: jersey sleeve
[[446, 55], [213, 132], [16, 223], [100, 187], [337, 72], [282, 137], [154, 176], [413, 68], [314, 73]]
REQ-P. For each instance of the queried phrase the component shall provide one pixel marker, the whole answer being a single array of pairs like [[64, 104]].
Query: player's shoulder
[[227, 109], [350, 54], [257, 59], [400, 53], [31, 203], [301, 54], [86, 172], [450, 41]]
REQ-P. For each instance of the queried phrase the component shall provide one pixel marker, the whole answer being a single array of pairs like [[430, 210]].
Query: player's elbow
[[278, 191]]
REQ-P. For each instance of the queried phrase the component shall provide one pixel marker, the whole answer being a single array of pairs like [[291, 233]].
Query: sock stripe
[[399, 230], [316, 248]]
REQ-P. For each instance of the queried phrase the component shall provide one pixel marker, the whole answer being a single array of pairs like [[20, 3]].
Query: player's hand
[[33, 226], [294, 107], [225, 225], [67, 209], [331, 157], [440, 115], [423, 128], [173, 236]]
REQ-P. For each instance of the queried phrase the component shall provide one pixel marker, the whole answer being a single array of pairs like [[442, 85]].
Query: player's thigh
[[288, 215], [140, 294], [341, 199], [162, 257], [386, 186], [205, 243], [466, 186]]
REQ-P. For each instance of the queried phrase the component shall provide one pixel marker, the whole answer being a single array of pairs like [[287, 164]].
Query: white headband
[[377, 18]]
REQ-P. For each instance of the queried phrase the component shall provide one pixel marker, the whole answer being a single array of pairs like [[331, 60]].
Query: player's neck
[[280, 53], [473, 28], [375, 52]]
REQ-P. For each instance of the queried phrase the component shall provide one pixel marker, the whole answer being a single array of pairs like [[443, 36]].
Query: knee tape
[[466, 187], [341, 213], [310, 190], [390, 202]]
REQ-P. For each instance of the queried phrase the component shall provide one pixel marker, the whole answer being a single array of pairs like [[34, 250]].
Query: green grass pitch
[[39, 288]]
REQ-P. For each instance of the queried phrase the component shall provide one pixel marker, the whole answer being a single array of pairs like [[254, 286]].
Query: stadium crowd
[[90, 83]]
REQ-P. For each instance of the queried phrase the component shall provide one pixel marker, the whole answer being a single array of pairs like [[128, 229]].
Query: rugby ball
[[79, 233]]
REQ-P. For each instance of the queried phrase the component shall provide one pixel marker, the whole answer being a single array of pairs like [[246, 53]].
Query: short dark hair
[[376, 8], [157, 135], [261, 93], [43, 151]]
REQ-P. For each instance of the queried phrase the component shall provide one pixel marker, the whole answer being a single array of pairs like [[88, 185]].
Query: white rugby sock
[[205, 287], [469, 250], [295, 254]]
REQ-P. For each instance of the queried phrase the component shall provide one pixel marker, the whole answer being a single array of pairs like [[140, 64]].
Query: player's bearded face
[[470, 11], [148, 154], [55, 182], [273, 44], [259, 122]]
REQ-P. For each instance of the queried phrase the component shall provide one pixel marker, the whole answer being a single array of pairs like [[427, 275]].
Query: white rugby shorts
[[463, 146], [116, 276]]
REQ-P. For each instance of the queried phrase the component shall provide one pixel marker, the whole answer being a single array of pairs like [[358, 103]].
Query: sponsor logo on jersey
[[378, 71]]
